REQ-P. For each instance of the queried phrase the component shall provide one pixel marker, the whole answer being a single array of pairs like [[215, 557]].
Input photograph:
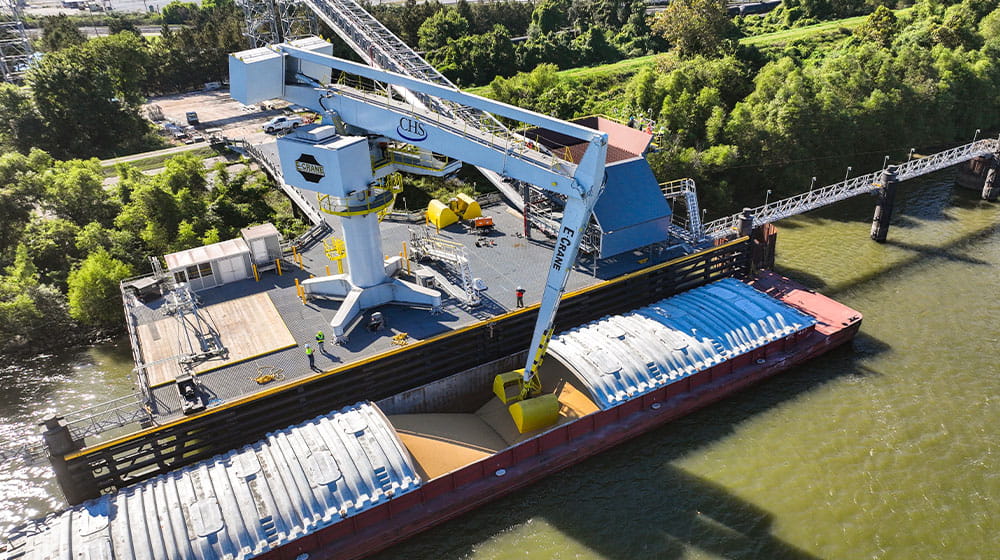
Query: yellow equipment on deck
[[440, 215], [536, 413], [267, 374], [465, 207]]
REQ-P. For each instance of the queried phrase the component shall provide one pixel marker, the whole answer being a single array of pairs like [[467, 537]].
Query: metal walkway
[[88, 422], [817, 198]]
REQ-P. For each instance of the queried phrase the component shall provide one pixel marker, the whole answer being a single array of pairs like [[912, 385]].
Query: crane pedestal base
[[356, 299]]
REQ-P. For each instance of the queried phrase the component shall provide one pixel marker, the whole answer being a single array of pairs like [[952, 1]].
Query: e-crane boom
[[299, 72]]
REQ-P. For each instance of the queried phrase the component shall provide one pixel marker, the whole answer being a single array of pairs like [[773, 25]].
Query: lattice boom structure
[[15, 48]]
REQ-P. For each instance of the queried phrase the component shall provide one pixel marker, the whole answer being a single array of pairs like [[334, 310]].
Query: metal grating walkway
[[817, 198]]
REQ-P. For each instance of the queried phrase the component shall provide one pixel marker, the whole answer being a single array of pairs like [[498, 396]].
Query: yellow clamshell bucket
[[470, 208], [507, 386], [535, 413], [529, 414]]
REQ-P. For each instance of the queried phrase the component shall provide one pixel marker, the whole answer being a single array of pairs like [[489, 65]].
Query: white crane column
[[339, 168]]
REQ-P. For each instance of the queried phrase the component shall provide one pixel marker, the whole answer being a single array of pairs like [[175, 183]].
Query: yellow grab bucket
[[507, 386], [536, 413], [439, 214], [470, 208]]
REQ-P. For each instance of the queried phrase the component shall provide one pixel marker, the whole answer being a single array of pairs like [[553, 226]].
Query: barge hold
[[358, 480]]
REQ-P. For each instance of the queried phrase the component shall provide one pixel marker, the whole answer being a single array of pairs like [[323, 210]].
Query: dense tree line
[[66, 239], [741, 121], [472, 43]]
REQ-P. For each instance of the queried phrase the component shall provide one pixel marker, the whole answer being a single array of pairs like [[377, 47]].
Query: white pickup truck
[[278, 124]]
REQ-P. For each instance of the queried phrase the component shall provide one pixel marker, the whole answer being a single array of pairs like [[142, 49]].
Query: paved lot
[[217, 110]]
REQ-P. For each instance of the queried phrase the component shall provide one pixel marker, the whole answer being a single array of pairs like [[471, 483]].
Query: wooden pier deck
[[248, 326]]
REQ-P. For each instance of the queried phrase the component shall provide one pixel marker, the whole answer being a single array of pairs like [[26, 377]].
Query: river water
[[884, 449]]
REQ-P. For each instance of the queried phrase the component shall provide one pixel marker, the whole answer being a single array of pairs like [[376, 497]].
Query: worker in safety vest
[[520, 296], [312, 359], [320, 337]]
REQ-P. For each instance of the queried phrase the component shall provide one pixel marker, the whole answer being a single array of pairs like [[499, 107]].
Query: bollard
[[883, 210], [746, 222]]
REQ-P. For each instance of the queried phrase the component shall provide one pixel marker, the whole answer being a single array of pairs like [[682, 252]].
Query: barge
[[367, 476]]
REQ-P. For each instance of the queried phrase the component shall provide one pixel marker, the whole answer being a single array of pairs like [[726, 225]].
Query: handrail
[[817, 198]]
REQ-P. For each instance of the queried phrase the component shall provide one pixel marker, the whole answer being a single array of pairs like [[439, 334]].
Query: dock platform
[[280, 324]]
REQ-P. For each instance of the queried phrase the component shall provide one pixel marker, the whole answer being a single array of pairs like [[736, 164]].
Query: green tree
[[549, 16], [593, 47], [88, 96], [477, 59], [20, 126], [59, 32], [959, 27], [989, 26], [74, 190], [880, 27], [52, 245], [20, 191], [29, 310], [119, 23], [153, 214], [178, 12], [695, 26], [94, 295], [441, 27]]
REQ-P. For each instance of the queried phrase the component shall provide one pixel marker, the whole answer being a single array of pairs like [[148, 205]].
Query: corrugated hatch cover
[[623, 356], [239, 504]]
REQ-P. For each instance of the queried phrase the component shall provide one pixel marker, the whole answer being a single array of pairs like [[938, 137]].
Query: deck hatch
[[206, 517], [246, 464], [620, 357], [322, 468], [333, 466]]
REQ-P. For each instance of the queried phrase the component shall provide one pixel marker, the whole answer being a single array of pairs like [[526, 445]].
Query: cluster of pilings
[[981, 174]]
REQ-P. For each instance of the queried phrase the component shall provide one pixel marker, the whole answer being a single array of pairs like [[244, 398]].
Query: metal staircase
[[683, 190], [452, 255], [817, 198]]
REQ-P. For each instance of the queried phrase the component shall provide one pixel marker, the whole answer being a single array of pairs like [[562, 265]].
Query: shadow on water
[[919, 255], [632, 502]]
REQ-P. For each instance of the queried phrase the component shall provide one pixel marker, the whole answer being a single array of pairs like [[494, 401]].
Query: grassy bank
[[818, 32]]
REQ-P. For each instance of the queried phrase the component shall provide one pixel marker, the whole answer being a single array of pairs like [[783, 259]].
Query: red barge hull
[[449, 496]]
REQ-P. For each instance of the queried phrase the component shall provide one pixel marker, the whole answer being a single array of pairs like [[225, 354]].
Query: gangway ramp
[[824, 196]]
